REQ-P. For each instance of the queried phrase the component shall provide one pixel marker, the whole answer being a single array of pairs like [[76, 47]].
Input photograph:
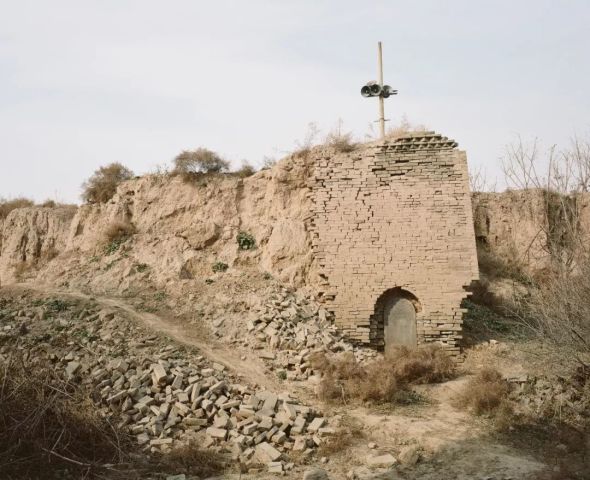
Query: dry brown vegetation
[[484, 393], [102, 185], [404, 128], [557, 304], [118, 231], [339, 140], [7, 206], [496, 266], [116, 234], [47, 426], [50, 428], [382, 381], [558, 310]]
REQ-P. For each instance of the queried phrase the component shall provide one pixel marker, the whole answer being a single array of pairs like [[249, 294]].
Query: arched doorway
[[394, 321], [399, 322]]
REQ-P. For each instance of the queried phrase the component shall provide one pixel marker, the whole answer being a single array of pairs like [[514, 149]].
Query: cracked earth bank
[[173, 381]]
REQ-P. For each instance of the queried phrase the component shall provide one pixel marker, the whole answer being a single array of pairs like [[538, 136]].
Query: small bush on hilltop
[[49, 204], [7, 206], [246, 170], [102, 185], [382, 381], [190, 162]]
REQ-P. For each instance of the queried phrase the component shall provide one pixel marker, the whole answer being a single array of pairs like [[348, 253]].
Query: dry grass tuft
[[7, 206], [102, 185], [341, 141], [118, 231], [404, 128], [485, 393], [382, 381], [47, 426], [115, 235]]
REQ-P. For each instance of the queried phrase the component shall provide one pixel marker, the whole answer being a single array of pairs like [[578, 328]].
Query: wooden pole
[[381, 100]]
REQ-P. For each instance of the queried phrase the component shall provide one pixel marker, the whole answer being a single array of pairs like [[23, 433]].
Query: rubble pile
[[546, 397], [289, 328], [164, 394]]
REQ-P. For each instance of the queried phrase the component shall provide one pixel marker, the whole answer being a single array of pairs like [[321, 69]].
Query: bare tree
[[557, 305], [479, 182], [520, 164], [579, 156]]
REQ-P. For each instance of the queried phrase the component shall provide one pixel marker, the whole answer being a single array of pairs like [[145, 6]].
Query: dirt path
[[251, 368]]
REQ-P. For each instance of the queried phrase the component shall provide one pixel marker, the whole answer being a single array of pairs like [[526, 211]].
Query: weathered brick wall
[[397, 215]]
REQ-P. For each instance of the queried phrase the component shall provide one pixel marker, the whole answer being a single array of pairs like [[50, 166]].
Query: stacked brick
[[395, 216]]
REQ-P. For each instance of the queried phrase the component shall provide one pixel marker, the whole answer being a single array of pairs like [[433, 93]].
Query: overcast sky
[[85, 83]]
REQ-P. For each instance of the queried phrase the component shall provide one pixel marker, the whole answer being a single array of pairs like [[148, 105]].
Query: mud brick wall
[[396, 216]]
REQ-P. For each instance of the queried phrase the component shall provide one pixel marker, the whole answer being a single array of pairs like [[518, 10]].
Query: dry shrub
[[7, 206], [118, 231], [426, 364], [48, 426], [246, 170], [505, 265], [190, 459], [49, 204], [558, 310], [405, 127], [382, 381], [341, 141], [116, 234], [102, 185], [485, 393], [190, 163]]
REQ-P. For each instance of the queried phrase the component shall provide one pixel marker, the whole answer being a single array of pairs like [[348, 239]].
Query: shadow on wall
[[394, 320]]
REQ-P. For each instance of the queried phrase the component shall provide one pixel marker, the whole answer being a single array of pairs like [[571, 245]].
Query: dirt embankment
[[525, 229], [182, 228]]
